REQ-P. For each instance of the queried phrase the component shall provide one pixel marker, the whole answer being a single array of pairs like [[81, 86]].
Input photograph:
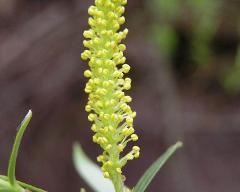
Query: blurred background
[[185, 58]]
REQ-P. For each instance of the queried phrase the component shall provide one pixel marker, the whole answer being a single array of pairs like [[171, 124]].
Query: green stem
[[118, 184], [15, 149]]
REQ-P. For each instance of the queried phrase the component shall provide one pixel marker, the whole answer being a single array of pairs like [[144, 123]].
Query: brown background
[[40, 69]]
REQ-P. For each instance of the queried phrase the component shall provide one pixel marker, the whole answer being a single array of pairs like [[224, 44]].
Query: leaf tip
[[179, 144], [29, 114]]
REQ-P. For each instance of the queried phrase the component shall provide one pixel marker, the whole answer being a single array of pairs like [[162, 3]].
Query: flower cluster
[[110, 113]]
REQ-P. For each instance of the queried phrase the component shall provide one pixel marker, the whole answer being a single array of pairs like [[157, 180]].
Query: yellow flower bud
[[87, 73], [106, 175], [134, 137]]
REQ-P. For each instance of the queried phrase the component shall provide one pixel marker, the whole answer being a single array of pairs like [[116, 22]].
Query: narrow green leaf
[[24, 185], [148, 176], [13, 157], [90, 172]]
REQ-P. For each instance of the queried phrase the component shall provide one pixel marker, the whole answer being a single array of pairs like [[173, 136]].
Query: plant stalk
[[118, 184]]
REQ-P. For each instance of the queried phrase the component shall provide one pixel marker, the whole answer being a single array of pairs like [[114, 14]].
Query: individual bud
[[91, 10], [91, 22], [120, 10], [94, 128], [125, 32], [127, 99], [106, 84], [110, 63], [131, 130], [96, 81], [129, 120], [123, 2], [108, 147], [122, 47], [111, 15], [127, 86], [106, 116], [126, 68], [120, 147], [88, 108], [88, 34], [86, 54], [99, 104], [109, 163], [122, 60], [87, 73], [137, 154], [94, 138], [125, 132], [136, 148], [105, 72], [88, 44], [134, 137], [121, 20], [120, 81], [91, 117], [114, 117], [106, 175], [101, 22], [119, 94], [105, 130], [134, 114], [116, 26], [100, 158], [119, 170], [116, 74], [110, 128], [129, 156], [88, 89]]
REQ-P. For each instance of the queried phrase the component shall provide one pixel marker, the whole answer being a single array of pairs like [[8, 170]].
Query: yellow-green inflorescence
[[110, 113]]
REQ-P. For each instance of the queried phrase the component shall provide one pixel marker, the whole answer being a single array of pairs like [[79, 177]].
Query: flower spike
[[107, 105]]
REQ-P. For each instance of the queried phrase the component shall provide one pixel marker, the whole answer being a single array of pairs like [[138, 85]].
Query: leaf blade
[[148, 176], [15, 149], [90, 172]]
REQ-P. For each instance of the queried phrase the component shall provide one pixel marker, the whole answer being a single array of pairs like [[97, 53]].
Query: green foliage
[[205, 24], [9, 183], [163, 33], [232, 78], [203, 20], [231, 81], [148, 176], [165, 38], [14, 154], [167, 10]]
